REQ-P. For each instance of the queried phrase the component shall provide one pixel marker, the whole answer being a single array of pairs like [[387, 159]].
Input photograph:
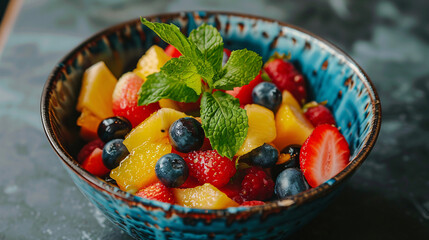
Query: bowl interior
[[331, 75]]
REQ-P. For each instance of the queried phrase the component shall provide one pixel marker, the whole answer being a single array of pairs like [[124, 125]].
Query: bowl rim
[[292, 201]]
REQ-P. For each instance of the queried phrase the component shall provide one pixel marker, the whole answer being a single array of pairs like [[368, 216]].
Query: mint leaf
[[171, 34], [224, 122], [241, 68], [210, 43], [177, 80]]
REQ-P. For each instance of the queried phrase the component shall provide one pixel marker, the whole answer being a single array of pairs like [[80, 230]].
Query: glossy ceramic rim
[[288, 202]]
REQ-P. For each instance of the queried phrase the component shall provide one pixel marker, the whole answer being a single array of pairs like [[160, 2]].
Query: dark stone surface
[[388, 198]]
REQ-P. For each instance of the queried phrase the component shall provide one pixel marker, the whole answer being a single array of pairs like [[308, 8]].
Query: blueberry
[[290, 182], [113, 153], [171, 170], [291, 152], [113, 128], [264, 156], [186, 135], [268, 95]]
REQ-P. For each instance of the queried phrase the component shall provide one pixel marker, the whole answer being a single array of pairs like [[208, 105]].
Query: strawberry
[[157, 191], [210, 167], [125, 98], [88, 149], [171, 51], [251, 203], [319, 115], [285, 76], [256, 185], [244, 93], [94, 164], [190, 182], [324, 154]]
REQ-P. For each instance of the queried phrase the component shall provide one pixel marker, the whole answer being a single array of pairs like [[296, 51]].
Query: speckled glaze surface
[[331, 75]]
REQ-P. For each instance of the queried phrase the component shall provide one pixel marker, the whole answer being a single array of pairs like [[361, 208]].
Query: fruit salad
[[197, 125]]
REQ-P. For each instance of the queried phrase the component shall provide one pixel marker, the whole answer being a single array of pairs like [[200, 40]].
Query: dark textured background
[[388, 198]]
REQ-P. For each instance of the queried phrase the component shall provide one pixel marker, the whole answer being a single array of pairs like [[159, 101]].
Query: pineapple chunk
[[154, 129], [151, 62], [96, 91], [289, 99], [262, 128], [206, 196], [137, 170], [88, 124], [292, 126]]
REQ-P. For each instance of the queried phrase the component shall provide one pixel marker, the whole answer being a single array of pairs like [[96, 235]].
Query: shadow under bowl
[[331, 75]]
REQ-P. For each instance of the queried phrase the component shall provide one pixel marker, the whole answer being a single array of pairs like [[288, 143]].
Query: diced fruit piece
[[168, 103], [157, 191], [244, 93], [324, 154], [290, 182], [125, 99], [256, 185], [171, 170], [113, 153], [206, 196], [265, 156], [226, 55], [292, 127], [88, 149], [171, 51], [137, 170], [96, 91], [232, 190], [94, 163], [186, 135], [319, 115], [262, 128], [153, 129], [286, 77], [251, 203], [268, 95], [88, 124], [210, 167], [289, 158], [289, 99], [113, 128], [151, 62]]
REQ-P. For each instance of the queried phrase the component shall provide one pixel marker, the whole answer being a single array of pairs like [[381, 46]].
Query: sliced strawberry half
[[125, 98], [94, 163], [244, 93], [324, 154], [171, 51]]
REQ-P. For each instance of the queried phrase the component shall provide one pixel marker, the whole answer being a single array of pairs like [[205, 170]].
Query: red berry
[[285, 76], [256, 185], [94, 163], [244, 93], [88, 149], [320, 115], [210, 167], [251, 203], [157, 191], [190, 182], [324, 154], [171, 51], [125, 98]]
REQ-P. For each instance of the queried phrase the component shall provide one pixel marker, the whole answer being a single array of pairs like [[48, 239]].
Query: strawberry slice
[[171, 51], [94, 163], [88, 149], [125, 98], [244, 93], [324, 154], [157, 191]]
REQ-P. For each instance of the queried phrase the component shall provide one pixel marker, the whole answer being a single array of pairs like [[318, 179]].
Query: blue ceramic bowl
[[332, 75]]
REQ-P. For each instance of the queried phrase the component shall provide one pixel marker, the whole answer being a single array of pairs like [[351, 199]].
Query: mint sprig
[[223, 121]]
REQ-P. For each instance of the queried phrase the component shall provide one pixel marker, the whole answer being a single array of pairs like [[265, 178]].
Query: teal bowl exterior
[[331, 75]]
